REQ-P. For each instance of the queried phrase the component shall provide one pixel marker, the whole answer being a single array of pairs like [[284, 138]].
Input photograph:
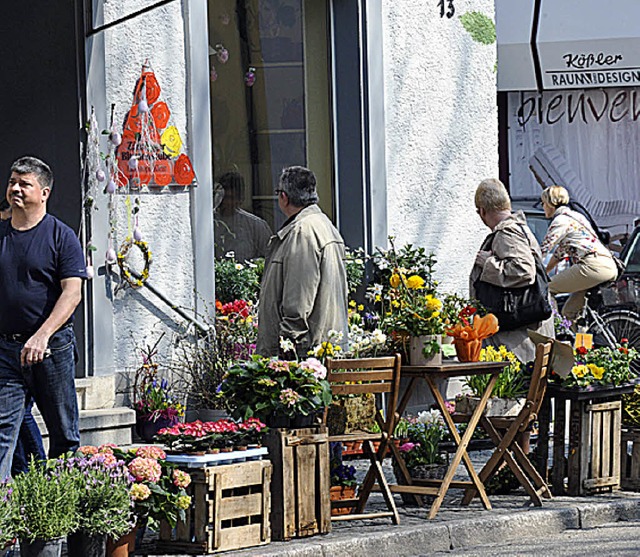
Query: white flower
[[373, 291], [286, 345], [239, 266], [430, 417], [314, 365], [335, 336], [359, 261], [230, 254], [378, 337]]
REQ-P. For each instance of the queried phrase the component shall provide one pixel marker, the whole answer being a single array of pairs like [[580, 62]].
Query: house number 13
[[446, 8]]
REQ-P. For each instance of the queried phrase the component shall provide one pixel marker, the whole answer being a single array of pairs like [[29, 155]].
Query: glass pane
[[260, 106]]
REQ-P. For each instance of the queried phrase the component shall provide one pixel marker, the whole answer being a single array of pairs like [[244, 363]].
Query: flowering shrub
[[601, 366], [158, 488], [263, 387], [510, 382], [237, 281], [211, 436], [424, 433], [103, 485], [7, 514]]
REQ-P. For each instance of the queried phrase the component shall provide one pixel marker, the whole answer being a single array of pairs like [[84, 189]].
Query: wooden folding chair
[[504, 432], [356, 377]]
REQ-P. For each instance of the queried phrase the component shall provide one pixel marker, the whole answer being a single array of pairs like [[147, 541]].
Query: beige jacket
[[304, 287], [512, 265]]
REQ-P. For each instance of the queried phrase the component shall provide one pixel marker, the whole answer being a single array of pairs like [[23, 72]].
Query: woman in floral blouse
[[570, 236]]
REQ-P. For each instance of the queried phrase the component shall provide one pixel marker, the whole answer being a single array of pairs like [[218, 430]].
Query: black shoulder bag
[[517, 307]]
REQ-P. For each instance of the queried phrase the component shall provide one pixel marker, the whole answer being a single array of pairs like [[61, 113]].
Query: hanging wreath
[[125, 271]]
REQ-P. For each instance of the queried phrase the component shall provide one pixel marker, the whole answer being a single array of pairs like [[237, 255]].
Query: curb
[[444, 536]]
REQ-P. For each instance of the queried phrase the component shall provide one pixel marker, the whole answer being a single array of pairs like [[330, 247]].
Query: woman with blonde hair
[[571, 236]]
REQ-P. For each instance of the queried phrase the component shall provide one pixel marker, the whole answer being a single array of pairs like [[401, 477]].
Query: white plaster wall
[[441, 131], [138, 316]]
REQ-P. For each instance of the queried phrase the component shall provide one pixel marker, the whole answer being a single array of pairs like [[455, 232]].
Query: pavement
[[455, 528]]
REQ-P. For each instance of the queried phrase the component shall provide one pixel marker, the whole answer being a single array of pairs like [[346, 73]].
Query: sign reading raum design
[[591, 69]]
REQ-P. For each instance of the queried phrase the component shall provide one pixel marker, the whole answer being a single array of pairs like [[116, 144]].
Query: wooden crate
[[300, 504], [593, 459], [630, 459], [230, 507]]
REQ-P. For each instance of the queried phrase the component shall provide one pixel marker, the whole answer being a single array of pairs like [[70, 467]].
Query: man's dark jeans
[[51, 384], [29, 443]]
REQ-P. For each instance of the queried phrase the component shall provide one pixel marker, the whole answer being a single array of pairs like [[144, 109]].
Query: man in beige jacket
[[304, 287]]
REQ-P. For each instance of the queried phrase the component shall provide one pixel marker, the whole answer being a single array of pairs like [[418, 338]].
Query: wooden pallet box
[[630, 459], [230, 507], [593, 459], [300, 502]]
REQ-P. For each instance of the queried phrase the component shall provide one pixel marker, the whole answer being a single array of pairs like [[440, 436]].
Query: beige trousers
[[588, 272]]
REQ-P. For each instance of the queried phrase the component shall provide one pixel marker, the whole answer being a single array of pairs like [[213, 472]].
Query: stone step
[[106, 425]]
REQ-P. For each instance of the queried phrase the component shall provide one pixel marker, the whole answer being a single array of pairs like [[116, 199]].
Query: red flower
[[183, 170], [624, 340], [160, 113], [581, 350]]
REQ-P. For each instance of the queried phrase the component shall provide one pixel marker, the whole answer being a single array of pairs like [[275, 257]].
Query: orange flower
[[183, 170], [162, 173]]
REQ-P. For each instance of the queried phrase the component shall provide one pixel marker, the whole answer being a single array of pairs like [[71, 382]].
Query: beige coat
[[304, 287], [512, 265]]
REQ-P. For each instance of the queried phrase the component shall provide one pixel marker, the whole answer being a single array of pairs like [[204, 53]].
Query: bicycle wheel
[[625, 323]]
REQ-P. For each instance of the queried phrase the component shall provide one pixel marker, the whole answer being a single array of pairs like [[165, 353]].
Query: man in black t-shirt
[[41, 271]]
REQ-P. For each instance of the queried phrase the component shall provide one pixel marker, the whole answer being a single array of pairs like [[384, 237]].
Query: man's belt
[[15, 337]]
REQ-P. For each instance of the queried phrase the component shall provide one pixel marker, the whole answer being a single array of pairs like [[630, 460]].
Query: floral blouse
[[572, 237]]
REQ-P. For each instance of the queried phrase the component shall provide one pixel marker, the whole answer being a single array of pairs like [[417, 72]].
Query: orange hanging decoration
[[162, 172], [160, 113]]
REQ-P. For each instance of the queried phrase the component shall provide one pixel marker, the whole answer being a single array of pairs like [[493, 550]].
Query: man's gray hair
[[299, 183], [32, 165], [491, 195]]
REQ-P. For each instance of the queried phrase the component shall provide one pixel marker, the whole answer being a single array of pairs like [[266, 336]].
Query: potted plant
[[46, 498], [600, 367], [343, 485], [277, 392], [238, 281], [405, 298], [420, 451], [469, 332], [507, 392], [104, 507], [155, 405], [7, 516]]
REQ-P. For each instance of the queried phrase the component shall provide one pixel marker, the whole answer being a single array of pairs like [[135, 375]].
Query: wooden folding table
[[431, 374]]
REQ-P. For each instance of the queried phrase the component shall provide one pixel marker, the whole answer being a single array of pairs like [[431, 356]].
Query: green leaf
[[481, 28]]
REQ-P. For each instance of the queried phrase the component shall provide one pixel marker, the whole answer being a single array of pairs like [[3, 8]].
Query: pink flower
[[145, 469], [106, 459], [181, 479], [407, 447], [314, 365], [150, 451], [88, 450], [107, 448], [289, 397]]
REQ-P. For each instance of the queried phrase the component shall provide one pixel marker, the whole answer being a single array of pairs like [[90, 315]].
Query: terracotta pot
[[123, 546], [340, 493], [468, 350]]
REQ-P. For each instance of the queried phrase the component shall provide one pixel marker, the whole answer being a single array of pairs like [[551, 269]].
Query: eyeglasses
[[279, 191]]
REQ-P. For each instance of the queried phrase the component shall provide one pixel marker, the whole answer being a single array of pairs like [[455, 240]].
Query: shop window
[[268, 64]]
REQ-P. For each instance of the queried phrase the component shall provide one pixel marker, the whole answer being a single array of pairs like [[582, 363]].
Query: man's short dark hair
[[299, 183], [32, 165], [232, 182]]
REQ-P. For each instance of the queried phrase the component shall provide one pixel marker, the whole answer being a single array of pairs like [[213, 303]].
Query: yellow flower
[[352, 304], [377, 298], [395, 303], [432, 303], [597, 372], [579, 371], [415, 282], [183, 502], [361, 307], [171, 141], [394, 281]]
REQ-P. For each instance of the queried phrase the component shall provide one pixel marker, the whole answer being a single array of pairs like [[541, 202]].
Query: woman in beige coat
[[506, 259]]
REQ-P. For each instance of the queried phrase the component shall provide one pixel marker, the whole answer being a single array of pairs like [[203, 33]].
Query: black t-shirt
[[32, 264]]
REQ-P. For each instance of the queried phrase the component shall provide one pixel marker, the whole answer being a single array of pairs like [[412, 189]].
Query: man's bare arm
[[33, 350]]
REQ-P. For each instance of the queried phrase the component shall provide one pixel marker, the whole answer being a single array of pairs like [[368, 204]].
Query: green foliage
[[47, 502], [8, 514], [481, 28], [631, 408], [238, 281], [424, 433], [601, 366], [354, 261], [262, 387]]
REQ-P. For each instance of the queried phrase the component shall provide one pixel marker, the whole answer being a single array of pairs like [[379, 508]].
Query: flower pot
[[41, 548], [147, 428], [340, 493], [123, 546], [504, 407], [416, 355], [212, 414], [291, 422], [468, 350], [83, 544], [419, 472]]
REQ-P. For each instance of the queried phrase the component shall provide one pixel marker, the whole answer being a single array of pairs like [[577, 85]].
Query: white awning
[[567, 44]]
